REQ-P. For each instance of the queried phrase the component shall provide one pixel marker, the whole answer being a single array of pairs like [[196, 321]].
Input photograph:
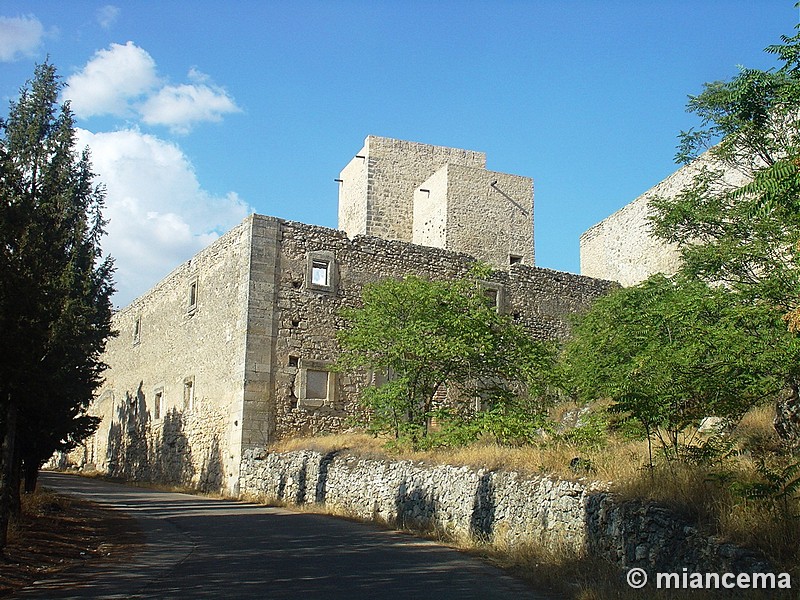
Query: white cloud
[[158, 213], [19, 36], [107, 15], [123, 81], [111, 80], [180, 106]]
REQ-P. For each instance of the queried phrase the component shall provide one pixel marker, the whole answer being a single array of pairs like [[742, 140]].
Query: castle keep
[[231, 351]]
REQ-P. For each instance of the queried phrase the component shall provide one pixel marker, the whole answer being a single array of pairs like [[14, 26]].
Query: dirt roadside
[[57, 533]]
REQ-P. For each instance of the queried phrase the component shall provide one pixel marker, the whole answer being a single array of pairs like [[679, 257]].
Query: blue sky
[[198, 113]]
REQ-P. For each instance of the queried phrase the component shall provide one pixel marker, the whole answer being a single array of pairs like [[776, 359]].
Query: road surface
[[200, 547]]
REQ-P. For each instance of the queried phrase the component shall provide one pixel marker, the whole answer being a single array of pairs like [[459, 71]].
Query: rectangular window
[[158, 405], [382, 376], [514, 259], [491, 296], [192, 305], [137, 330], [494, 294], [316, 385], [188, 394], [319, 272]]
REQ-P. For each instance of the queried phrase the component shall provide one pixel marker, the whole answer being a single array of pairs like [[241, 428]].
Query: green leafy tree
[[670, 352], [738, 223], [428, 334], [55, 308]]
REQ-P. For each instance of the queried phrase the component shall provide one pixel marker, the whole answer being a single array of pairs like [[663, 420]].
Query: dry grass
[[363, 444], [553, 458]]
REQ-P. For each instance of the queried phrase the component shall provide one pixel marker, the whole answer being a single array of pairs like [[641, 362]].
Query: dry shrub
[[43, 502]]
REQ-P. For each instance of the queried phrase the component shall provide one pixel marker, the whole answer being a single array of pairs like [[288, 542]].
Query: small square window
[[320, 271], [514, 259], [316, 384], [493, 292], [383, 376]]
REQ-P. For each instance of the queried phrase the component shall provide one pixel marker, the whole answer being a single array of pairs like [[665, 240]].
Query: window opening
[[192, 296], [514, 259], [158, 407], [188, 394], [316, 385], [491, 296], [320, 272]]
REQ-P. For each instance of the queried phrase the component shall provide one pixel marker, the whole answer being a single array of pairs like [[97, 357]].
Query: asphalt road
[[199, 547]]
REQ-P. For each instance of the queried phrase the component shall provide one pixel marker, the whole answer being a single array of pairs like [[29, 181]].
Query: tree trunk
[[7, 468], [31, 473], [15, 503], [787, 415]]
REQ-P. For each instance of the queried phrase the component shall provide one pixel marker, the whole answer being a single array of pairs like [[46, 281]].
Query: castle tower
[[437, 196]]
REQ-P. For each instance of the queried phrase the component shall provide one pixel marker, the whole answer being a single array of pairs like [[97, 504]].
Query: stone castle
[[231, 351]]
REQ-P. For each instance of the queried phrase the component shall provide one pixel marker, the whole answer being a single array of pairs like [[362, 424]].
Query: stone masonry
[[440, 197], [233, 349], [502, 508], [621, 248]]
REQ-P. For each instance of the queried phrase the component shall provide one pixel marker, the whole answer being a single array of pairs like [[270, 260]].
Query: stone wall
[[394, 169], [233, 349], [486, 214], [181, 346], [498, 507], [307, 316], [620, 248]]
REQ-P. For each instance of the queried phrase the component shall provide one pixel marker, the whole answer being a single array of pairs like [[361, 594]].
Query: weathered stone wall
[[307, 316], [190, 358], [486, 214], [353, 195], [249, 361], [620, 248], [494, 506], [395, 168]]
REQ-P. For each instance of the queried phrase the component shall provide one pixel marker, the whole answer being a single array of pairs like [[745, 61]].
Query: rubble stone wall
[[308, 317], [499, 507], [191, 386]]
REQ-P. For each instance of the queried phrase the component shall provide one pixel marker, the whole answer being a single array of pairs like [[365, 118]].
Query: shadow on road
[[209, 548]]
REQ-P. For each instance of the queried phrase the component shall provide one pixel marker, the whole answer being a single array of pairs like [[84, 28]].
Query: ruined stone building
[[231, 350]]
